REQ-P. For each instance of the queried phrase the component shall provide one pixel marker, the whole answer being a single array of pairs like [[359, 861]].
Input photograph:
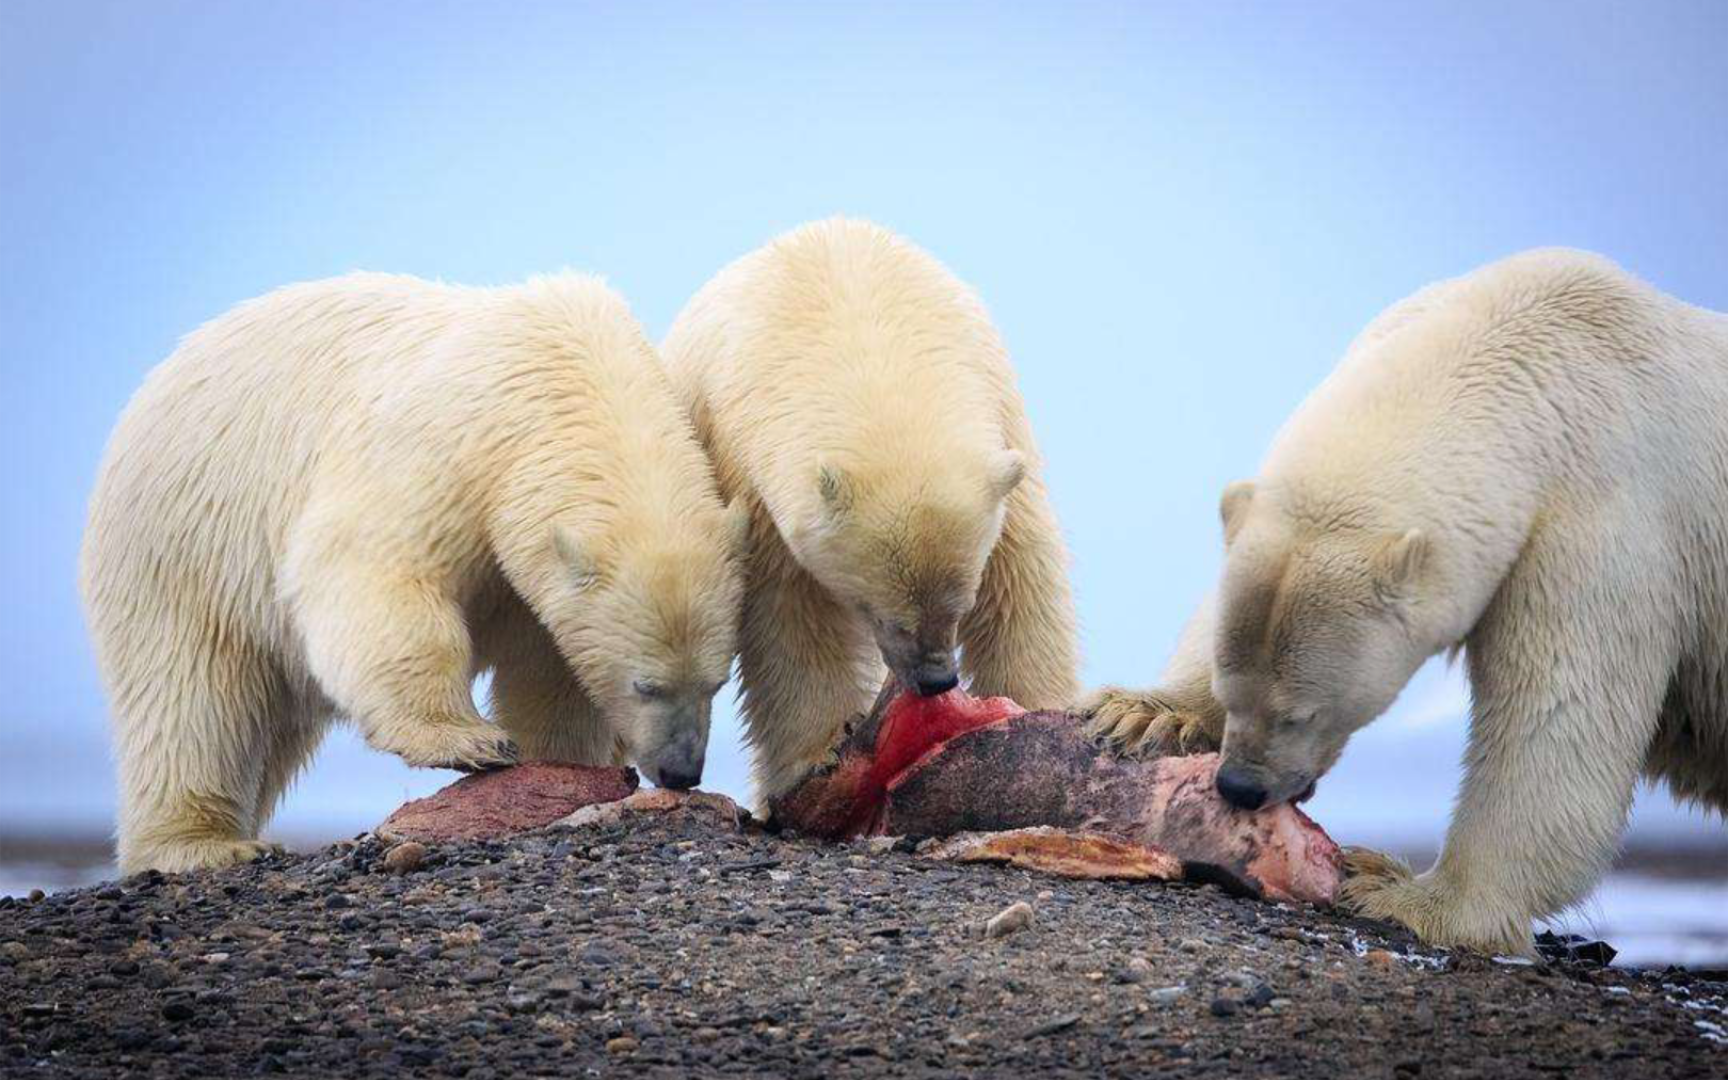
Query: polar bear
[[1529, 463], [855, 396], [349, 497]]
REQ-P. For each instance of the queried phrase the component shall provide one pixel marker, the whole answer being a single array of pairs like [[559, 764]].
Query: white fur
[[350, 496], [855, 395], [1529, 463]]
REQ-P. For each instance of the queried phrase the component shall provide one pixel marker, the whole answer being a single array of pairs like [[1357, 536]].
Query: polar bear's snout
[[677, 764], [922, 661], [1240, 788]]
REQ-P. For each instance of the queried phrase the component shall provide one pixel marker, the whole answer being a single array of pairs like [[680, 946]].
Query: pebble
[[178, 1011], [1223, 1006], [37, 895], [480, 974], [623, 1044], [1381, 958], [1166, 995], [1051, 1027], [1138, 970], [1011, 919]]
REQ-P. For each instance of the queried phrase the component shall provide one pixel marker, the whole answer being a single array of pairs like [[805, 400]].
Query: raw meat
[[934, 767]]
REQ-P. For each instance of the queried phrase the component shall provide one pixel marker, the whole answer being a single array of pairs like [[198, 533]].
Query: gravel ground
[[665, 946]]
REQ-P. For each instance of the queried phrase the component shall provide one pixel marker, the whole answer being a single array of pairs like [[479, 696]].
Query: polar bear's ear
[[1233, 507], [836, 489], [738, 528], [1400, 561], [1007, 469], [570, 548]]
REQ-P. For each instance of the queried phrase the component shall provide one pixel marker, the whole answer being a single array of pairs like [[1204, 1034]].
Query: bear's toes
[[473, 747], [1378, 886], [1142, 723]]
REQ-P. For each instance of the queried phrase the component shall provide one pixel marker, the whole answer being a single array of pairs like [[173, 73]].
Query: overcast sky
[[1179, 215]]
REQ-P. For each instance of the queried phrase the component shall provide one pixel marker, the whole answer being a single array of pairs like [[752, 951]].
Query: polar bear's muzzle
[[677, 765], [922, 662]]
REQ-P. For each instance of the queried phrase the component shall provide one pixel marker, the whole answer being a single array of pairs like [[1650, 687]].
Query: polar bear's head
[[1321, 622], [905, 548], [652, 635]]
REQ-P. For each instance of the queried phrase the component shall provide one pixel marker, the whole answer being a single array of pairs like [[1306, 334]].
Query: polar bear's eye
[[648, 689]]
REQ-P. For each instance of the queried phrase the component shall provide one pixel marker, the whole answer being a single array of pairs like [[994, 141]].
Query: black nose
[[932, 685], [679, 781], [1240, 790]]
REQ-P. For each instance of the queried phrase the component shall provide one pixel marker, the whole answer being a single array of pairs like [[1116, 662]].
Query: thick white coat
[[348, 497], [854, 394], [1529, 463]]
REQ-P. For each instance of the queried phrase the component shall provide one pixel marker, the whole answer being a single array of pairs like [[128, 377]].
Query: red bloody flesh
[[914, 728]]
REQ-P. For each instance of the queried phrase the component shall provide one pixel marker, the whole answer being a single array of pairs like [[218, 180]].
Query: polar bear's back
[[361, 384], [847, 321], [1548, 347], [210, 460]]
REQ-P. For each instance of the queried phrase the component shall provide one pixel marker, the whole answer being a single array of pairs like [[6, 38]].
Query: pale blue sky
[[1179, 215]]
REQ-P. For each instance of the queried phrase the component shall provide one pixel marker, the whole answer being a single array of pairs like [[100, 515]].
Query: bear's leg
[[1179, 715], [190, 746], [289, 746], [808, 666], [1565, 707], [395, 656], [537, 699], [1019, 640]]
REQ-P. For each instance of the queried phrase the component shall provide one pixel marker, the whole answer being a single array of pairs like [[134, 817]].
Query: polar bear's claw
[[1142, 723], [471, 748]]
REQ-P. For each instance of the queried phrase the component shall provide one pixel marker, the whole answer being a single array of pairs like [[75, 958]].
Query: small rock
[[405, 858], [623, 1044], [1381, 958], [1011, 919], [178, 1011], [481, 973], [596, 956], [37, 895], [1192, 945], [1137, 971], [1051, 1027], [1166, 995], [1223, 1006]]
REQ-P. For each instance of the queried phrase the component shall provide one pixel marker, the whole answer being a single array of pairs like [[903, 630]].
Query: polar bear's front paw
[[464, 748], [1378, 886], [1146, 723]]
